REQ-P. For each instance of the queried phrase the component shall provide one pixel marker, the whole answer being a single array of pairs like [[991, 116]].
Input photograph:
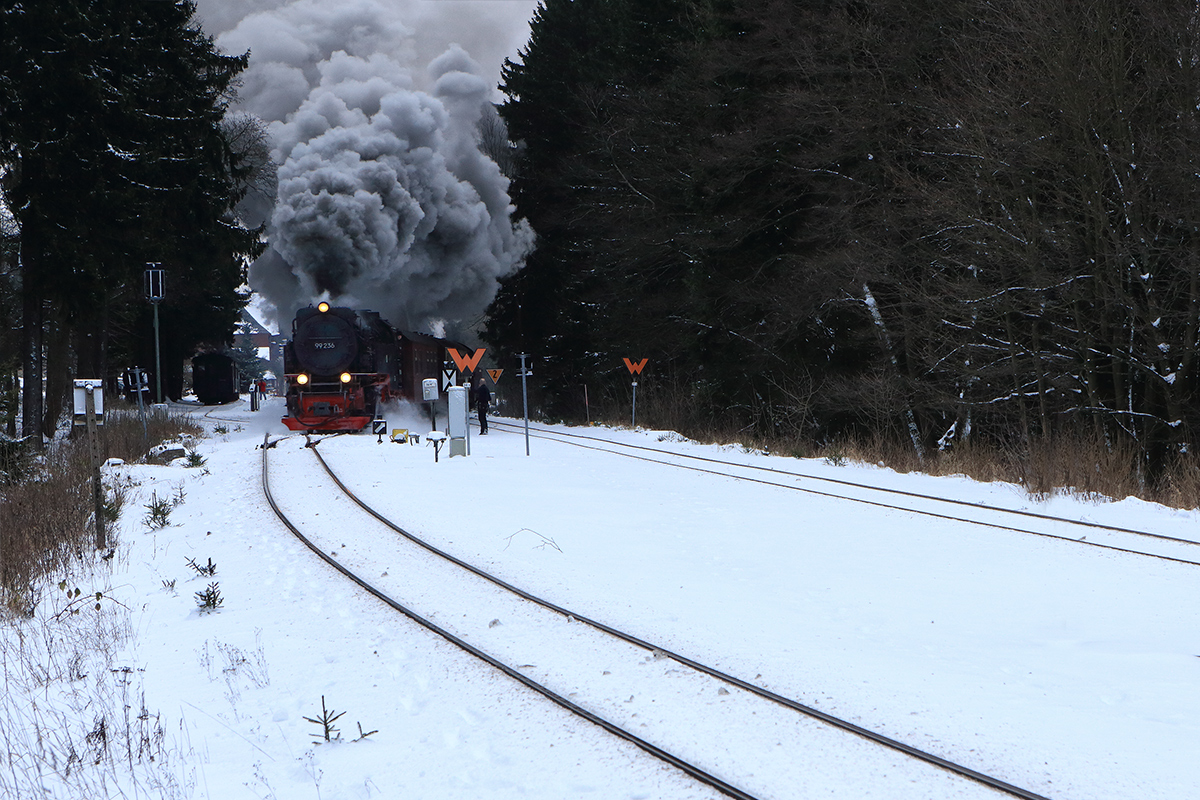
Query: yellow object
[[400, 435], [322, 307]]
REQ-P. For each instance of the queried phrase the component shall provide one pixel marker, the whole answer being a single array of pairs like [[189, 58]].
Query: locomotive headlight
[[302, 379], [322, 307], [345, 377]]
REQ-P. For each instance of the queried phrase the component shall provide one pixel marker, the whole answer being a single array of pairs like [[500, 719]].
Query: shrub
[[46, 515]]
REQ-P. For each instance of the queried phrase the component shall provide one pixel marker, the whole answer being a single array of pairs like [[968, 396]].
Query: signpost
[[155, 292], [635, 369], [525, 373], [89, 405], [429, 391], [465, 364]]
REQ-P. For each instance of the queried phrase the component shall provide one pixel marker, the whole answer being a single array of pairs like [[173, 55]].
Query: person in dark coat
[[483, 397]]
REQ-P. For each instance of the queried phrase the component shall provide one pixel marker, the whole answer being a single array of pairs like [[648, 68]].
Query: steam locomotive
[[342, 363]]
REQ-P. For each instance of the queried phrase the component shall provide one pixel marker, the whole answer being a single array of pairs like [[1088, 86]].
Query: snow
[[1066, 670]]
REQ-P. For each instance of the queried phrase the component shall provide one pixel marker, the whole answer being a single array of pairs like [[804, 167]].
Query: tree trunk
[[1014, 356], [58, 371], [914, 432], [1043, 413], [11, 400], [31, 359]]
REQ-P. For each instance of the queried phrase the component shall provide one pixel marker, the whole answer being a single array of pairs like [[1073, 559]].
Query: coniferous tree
[[583, 61], [913, 219], [110, 127], [1072, 284], [703, 214]]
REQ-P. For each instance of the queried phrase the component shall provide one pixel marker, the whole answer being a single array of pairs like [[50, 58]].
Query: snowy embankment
[[1065, 670]]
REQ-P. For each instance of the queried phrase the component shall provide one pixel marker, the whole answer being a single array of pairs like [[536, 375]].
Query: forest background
[[118, 152], [934, 225], [927, 224]]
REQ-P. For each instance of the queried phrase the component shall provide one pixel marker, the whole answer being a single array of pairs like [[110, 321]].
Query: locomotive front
[[339, 365], [325, 342]]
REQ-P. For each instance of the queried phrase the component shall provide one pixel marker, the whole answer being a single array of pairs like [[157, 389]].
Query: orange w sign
[[636, 369], [466, 363]]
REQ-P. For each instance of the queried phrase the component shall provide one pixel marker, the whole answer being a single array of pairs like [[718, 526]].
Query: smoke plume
[[385, 200]]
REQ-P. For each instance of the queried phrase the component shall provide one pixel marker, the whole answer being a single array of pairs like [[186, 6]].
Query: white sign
[[429, 388], [80, 399]]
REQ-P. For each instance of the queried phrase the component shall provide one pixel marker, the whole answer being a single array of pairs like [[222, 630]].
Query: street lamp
[[155, 291]]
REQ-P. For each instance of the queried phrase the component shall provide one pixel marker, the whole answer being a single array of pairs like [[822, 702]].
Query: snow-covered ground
[[1069, 671]]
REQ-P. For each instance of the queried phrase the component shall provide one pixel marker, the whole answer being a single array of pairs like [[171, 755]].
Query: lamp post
[[155, 291]]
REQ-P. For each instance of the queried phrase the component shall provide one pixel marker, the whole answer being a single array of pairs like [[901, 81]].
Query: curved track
[[635, 452], [512, 672], [690, 769]]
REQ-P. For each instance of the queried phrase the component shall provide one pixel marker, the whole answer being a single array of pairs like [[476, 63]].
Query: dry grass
[[46, 521], [124, 438], [1083, 465], [73, 716]]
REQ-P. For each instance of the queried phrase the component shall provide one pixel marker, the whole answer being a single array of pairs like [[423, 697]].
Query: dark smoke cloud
[[385, 201]]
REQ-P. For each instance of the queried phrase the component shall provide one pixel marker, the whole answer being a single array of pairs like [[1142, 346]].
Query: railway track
[[705, 775], [1120, 539]]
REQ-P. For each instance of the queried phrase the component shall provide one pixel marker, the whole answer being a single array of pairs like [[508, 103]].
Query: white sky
[[490, 30]]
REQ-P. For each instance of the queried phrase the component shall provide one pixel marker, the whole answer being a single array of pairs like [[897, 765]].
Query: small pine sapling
[[326, 721], [208, 569], [210, 599], [158, 512]]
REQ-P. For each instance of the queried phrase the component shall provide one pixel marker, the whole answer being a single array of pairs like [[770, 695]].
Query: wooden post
[[97, 487]]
